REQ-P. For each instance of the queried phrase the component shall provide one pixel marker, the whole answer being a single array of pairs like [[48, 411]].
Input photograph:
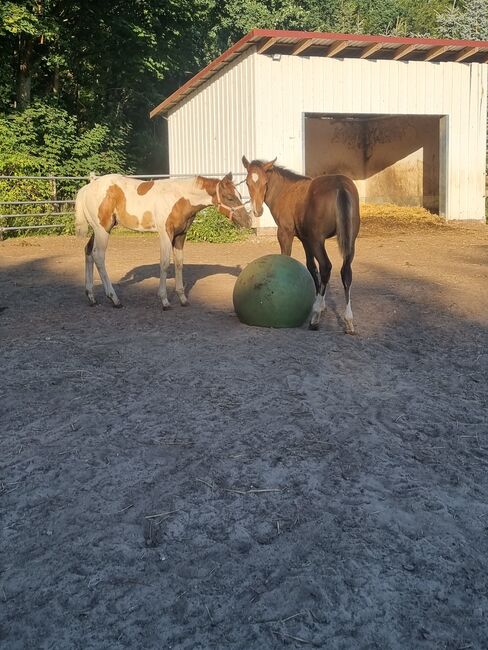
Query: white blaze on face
[[255, 177]]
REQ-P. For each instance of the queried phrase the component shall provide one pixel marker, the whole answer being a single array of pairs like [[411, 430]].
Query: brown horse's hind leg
[[325, 267], [311, 266], [346, 275]]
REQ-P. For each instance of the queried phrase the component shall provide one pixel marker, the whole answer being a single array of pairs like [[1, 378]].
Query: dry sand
[[179, 480]]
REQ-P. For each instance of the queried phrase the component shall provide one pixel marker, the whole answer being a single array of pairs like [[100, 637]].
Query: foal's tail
[[345, 222], [81, 223]]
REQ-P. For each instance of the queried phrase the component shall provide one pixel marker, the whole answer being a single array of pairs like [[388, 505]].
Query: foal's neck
[[278, 185], [207, 187]]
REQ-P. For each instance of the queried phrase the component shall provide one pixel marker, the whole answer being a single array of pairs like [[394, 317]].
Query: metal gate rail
[[7, 208]]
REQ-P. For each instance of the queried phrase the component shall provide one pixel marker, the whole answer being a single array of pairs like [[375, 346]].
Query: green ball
[[274, 291]]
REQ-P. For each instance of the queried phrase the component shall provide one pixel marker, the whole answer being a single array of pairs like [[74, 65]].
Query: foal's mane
[[288, 174]]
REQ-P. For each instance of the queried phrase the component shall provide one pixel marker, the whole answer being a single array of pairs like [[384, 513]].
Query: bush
[[45, 140], [211, 226]]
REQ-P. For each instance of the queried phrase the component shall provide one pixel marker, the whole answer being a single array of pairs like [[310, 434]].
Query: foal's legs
[[285, 239], [311, 266], [165, 245], [89, 271], [178, 255], [325, 267], [100, 241], [346, 275]]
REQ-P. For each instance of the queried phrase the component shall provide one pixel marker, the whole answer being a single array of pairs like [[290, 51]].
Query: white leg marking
[[317, 309], [348, 317], [165, 246]]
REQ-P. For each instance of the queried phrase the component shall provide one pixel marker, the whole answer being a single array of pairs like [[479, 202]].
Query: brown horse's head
[[229, 202], [257, 182]]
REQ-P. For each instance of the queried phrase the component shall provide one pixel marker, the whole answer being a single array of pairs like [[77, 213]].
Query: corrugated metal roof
[[362, 46]]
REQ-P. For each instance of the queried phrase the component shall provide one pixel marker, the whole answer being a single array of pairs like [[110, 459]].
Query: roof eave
[[439, 45]]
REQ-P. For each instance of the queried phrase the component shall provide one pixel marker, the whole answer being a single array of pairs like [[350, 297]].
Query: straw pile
[[387, 216]]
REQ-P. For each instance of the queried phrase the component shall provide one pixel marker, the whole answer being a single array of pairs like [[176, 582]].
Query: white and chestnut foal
[[165, 206]]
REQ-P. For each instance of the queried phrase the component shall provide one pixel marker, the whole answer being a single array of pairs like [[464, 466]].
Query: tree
[[467, 21]]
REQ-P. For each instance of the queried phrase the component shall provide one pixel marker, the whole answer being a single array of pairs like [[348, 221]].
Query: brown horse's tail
[[344, 223]]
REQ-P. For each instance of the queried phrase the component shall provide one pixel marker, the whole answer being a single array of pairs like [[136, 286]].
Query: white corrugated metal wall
[[210, 130], [256, 106]]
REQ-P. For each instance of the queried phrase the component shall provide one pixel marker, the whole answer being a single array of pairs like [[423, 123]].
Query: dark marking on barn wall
[[392, 158]]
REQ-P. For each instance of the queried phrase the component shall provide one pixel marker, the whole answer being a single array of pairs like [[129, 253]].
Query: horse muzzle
[[241, 217]]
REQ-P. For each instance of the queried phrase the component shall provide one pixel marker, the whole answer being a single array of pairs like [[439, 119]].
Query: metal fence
[[53, 207]]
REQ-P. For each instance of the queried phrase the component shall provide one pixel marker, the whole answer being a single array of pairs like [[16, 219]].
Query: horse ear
[[245, 162], [228, 177], [269, 165]]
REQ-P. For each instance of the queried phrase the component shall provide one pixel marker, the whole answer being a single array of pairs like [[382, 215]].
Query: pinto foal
[[312, 209], [165, 206]]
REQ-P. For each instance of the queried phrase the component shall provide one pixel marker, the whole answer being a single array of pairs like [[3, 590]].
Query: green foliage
[[468, 20], [211, 226], [19, 18], [45, 140]]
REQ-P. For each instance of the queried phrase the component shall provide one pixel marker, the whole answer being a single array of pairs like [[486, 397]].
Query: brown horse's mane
[[288, 174]]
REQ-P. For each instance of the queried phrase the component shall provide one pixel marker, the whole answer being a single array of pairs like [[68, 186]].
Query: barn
[[406, 118]]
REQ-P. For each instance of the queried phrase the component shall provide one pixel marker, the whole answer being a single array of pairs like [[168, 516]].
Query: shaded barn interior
[[393, 158]]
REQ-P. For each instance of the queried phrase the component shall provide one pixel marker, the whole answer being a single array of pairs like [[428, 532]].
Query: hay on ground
[[388, 216]]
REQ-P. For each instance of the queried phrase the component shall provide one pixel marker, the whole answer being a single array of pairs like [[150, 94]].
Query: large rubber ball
[[274, 291]]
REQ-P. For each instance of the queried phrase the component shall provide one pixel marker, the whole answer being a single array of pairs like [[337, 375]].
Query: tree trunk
[[24, 72]]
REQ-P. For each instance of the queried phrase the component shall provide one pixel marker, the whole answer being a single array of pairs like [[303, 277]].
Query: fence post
[[54, 193]]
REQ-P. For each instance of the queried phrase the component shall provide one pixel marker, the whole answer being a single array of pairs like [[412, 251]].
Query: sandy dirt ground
[[179, 480]]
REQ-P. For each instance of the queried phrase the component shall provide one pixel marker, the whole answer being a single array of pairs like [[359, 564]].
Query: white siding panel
[[211, 129]]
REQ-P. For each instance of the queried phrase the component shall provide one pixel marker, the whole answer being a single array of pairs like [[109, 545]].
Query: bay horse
[[312, 209], [166, 206]]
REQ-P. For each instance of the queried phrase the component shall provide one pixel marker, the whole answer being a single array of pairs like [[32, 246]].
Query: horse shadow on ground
[[191, 273]]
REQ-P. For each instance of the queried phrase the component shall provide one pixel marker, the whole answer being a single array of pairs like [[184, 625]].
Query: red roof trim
[[251, 37], [366, 38]]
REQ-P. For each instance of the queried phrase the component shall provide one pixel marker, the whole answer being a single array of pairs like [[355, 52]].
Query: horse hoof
[[119, 305], [166, 307], [313, 327], [185, 304]]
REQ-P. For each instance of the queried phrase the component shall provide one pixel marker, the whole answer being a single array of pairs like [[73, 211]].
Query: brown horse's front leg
[[285, 239]]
